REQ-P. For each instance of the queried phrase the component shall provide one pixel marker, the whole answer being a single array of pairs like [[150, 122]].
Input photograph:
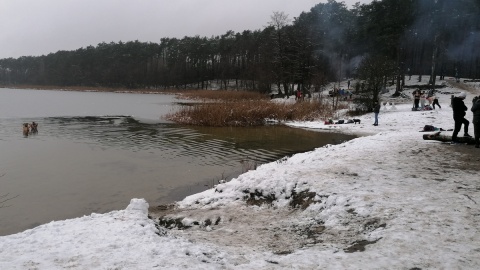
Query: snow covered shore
[[387, 200]]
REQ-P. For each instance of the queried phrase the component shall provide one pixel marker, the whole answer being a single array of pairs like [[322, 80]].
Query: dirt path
[[463, 86]]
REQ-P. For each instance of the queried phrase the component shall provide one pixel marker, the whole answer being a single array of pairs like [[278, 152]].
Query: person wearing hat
[[459, 110], [476, 120]]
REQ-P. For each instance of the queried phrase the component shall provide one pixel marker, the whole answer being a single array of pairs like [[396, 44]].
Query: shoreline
[[93, 89]]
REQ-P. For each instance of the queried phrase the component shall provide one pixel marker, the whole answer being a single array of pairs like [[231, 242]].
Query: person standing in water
[[26, 129], [34, 127]]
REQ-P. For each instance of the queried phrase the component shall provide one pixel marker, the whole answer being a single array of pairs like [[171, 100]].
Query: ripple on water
[[76, 164]]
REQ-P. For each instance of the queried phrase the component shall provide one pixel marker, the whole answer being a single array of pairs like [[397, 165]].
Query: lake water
[[95, 151]]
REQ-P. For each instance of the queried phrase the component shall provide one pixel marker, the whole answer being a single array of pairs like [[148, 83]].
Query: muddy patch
[[304, 199], [259, 225], [359, 246], [258, 198]]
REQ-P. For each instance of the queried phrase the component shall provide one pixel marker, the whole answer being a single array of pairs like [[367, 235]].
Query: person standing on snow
[[416, 98], [435, 101], [376, 111], [459, 109], [476, 120], [423, 98]]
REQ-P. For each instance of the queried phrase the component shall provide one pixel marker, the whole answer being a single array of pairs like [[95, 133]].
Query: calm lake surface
[[96, 151]]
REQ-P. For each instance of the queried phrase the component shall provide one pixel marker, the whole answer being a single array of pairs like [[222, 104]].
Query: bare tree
[[373, 71], [279, 21]]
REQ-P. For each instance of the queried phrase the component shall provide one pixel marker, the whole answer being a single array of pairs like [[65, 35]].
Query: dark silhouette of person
[[459, 110], [376, 111], [476, 120], [34, 127], [435, 102], [416, 98]]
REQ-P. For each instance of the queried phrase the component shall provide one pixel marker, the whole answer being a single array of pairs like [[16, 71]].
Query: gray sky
[[36, 27]]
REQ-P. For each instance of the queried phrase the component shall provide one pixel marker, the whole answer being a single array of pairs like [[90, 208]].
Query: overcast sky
[[37, 27]]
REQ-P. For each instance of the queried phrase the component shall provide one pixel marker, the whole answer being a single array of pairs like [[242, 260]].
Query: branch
[[5, 198]]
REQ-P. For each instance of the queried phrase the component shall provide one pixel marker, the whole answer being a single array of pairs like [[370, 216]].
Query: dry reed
[[250, 112]]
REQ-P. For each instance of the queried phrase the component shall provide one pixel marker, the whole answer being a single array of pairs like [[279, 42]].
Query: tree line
[[328, 43]]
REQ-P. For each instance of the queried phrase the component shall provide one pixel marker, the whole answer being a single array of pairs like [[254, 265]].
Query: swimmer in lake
[[26, 129], [33, 127]]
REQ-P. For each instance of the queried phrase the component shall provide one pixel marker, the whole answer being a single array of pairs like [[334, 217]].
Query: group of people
[[340, 92], [420, 98], [30, 128], [459, 112]]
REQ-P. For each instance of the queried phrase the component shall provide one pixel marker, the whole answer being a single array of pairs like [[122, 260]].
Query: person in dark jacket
[[459, 109], [435, 101], [376, 111], [476, 120], [416, 99]]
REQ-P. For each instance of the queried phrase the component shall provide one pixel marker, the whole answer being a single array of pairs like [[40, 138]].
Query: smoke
[[465, 49], [355, 62], [445, 16], [331, 26]]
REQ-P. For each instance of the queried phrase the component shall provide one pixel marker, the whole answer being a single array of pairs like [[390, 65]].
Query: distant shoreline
[[93, 89]]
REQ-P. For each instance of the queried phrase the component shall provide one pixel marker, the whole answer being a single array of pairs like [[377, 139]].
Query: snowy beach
[[385, 200]]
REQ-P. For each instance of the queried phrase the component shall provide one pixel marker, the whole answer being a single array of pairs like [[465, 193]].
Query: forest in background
[[393, 38]]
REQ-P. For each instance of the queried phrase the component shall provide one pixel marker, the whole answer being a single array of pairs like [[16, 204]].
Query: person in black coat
[[416, 99], [376, 111], [476, 120], [459, 110]]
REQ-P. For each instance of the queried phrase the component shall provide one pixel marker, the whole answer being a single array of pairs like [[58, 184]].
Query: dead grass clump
[[306, 111], [249, 113]]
